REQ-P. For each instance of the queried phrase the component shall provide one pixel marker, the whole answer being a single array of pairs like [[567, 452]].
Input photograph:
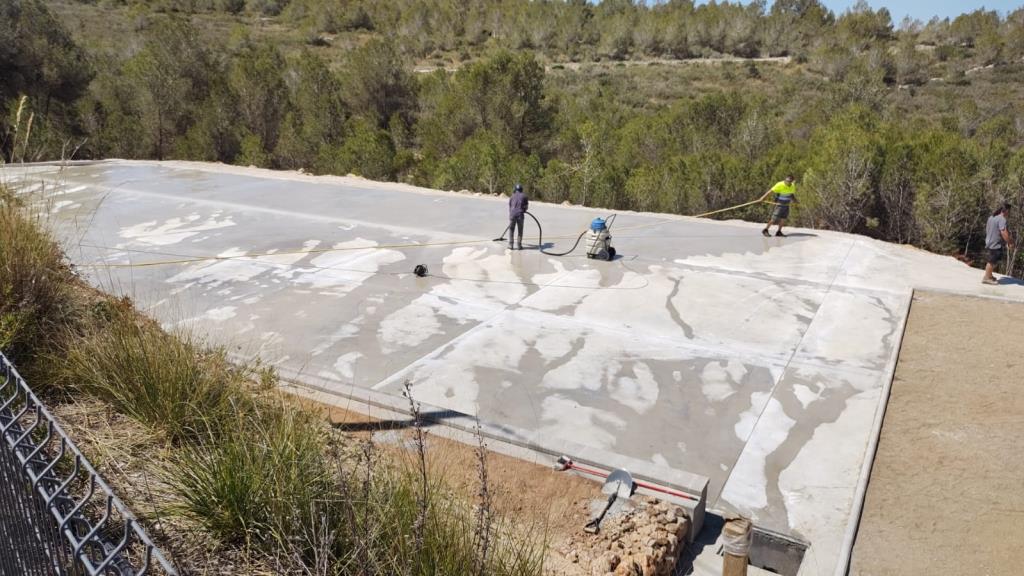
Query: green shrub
[[36, 298]]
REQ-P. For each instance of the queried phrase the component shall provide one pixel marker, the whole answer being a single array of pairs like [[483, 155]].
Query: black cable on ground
[[540, 236]]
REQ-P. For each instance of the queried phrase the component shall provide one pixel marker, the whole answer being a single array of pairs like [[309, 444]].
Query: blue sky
[[925, 10]]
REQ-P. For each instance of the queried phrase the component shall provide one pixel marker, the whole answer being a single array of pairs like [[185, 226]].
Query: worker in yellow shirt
[[784, 195]]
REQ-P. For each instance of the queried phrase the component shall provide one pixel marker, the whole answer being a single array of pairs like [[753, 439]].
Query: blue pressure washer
[[599, 242]]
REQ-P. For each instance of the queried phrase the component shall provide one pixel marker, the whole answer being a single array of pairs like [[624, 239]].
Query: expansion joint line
[[483, 323], [785, 368]]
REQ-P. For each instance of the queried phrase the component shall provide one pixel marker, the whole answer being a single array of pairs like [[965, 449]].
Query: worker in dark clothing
[[518, 204]]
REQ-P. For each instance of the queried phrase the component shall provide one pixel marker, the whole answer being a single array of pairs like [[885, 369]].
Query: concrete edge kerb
[[853, 524], [966, 294], [694, 485], [56, 163]]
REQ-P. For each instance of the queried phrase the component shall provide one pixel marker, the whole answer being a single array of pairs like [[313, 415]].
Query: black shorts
[[994, 256], [781, 212]]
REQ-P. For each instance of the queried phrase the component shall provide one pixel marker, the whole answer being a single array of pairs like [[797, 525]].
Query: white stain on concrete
[[424, 318], [721, 379], [233, 265], [173, 230], [450, 379], [220, 314], [345, 364], [411, 325], [819, 485], [342, 332], [811, 261], [644, 295], [597, 362], [745, 314], [473, 289], [565, 418], [745, 424], [476, 275], [806, 395], [747, 488], [852, 327], [564, 288], [552, 345], [639, 393], [346, 266]]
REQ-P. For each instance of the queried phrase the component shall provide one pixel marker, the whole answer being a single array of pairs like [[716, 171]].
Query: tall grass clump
[[449, 534], [36, 286], [166, 381], [264, 481]]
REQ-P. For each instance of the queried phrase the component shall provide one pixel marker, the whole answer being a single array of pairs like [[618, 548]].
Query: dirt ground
[[946, 494], [537, 497]]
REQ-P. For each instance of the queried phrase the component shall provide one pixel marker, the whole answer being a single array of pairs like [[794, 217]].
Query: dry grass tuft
[[36, 286]]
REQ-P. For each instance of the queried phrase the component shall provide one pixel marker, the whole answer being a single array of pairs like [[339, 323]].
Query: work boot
[[780, 234], [766, 233]]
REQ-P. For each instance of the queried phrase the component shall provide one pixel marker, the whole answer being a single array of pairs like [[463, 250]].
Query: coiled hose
[[540, 235]]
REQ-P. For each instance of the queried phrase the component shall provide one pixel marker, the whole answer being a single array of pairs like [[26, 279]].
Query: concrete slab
[[705, 349]]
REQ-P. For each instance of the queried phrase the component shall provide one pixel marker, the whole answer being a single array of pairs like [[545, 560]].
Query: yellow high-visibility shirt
[[784, 192]]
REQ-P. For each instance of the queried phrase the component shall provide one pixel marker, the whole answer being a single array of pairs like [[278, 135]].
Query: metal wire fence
[[57, 516]]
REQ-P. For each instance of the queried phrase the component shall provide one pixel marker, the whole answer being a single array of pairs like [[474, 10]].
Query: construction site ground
[[528, 492], [536, 495], [946, 494]]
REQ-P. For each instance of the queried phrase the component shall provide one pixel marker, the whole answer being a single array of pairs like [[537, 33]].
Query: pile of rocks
[[644, 539]]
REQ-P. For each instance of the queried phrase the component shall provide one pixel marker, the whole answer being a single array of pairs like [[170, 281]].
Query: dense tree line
[[579, 29], [865, 164]]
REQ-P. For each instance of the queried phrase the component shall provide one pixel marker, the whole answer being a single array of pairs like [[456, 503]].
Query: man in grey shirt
[[997, 238]]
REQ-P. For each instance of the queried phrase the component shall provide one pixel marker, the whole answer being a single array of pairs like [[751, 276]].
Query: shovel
[[619, 484]]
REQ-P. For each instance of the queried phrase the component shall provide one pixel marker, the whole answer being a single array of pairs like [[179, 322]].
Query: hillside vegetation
[[909, 132]]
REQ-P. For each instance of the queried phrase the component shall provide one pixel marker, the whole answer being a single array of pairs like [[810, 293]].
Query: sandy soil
[[947, 488]]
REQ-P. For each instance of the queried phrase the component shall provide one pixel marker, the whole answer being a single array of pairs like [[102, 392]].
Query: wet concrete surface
[[705, 347]]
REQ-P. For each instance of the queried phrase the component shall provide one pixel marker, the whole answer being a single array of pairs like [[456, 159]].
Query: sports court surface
[[703, 348]]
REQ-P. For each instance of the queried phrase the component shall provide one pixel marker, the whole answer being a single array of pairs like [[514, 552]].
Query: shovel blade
[[619, 482]]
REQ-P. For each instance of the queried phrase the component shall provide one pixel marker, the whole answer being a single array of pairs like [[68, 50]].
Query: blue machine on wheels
[[599, 240]]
